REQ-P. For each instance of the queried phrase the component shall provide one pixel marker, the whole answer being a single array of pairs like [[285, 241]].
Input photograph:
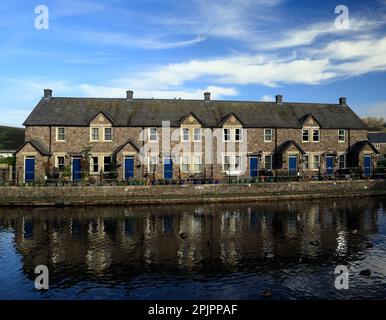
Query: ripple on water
[[228, 251]]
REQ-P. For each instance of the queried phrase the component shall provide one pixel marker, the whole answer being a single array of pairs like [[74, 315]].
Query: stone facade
[[103, 146]]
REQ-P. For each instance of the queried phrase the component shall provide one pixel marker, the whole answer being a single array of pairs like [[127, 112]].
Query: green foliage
[[8, 160], [66, 172], [11, 138], [381, 163]]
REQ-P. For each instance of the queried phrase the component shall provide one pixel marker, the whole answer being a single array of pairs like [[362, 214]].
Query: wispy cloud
[[126, 40], [267, 98], [309, 33]]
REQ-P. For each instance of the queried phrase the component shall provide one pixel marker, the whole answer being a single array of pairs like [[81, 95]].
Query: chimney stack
[[279, 99], [47, 93], [129, 94], [342, 101], [207, 96]]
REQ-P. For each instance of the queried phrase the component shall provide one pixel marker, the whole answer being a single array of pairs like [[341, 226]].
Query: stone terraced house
[[103, 135]]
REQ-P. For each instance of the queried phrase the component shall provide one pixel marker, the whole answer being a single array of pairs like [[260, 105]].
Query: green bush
[[7, 160]]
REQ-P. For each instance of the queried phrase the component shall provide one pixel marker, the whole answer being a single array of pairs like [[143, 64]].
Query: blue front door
[[292, 164], [168, 168], [367, 166], [329, 165], [129, 167], [76, 169], [253, 167], [29, 169]]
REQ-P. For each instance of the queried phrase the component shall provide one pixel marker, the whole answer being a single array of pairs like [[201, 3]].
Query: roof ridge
[[196, 100]]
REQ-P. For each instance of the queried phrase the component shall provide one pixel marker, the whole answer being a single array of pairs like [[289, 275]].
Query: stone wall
[[78, 138], [186, 193]]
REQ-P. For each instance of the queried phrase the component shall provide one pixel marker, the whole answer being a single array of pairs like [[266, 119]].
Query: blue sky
[[237, 49]]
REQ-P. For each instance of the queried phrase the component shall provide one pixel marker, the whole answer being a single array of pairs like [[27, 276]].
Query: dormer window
[[197, 134], [94, 134], [311, 134], [108, 134], [306, 135], [153, 134], [185, 134], [315, 135], [238, 134], [227, 134]]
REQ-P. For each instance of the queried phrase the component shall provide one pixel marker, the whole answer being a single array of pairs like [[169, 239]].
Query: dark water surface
[[232, 251]]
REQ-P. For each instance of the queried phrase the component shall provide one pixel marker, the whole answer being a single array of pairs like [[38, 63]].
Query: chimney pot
[[342, 101], [279, 99], [47, 93], [129, 94], [207, 96]]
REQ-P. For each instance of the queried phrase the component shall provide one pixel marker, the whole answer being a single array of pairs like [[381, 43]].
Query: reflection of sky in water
[[211, 252]]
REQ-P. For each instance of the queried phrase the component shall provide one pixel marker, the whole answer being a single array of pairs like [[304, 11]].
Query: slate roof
[[284, 147], [377, 137], [132, 143], [151, 112], [37, 145], [360, 145]]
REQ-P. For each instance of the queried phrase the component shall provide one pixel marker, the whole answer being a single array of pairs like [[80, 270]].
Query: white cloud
[[267, 98], [309, 33], [127, 40], [168, 93], [238, 70]]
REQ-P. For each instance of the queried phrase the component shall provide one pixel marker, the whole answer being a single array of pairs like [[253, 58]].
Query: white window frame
[[344, 136], [57, 161], [229, 162], [92, 165], [265, 163], [183, 163], [194, 134], [199, 163], [313, 162], [241, 134], [150, 135], [150, 163], [92, 135], [306, 164], [104, 134], [183, 136], [57, 134], [232, 163], [239, 163], [266, 134], [315, 129], [225, 135], [308, 134], [344, 163], [111, 162]]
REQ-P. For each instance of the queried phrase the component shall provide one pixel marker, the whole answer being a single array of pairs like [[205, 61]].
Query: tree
[[375, 124], [3, 135]]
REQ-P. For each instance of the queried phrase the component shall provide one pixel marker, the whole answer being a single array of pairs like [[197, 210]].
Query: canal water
[[228, 251]]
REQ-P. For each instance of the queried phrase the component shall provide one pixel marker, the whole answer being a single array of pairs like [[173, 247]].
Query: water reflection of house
[[98, 241]]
